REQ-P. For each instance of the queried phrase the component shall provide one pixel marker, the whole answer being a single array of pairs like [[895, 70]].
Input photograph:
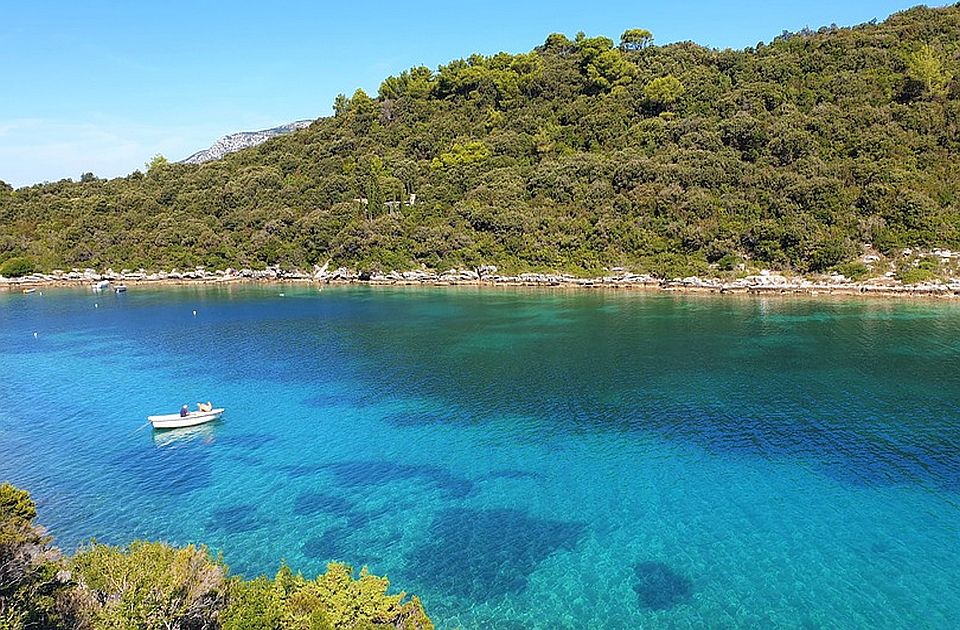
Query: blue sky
[[102, 86]]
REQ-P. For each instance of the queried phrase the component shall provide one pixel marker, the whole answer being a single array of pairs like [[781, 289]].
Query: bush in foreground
[[149, 585], [155, 585], [34, 589], [333, 600]]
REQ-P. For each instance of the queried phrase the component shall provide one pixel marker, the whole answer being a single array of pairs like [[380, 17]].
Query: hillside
[[579, 155], [242, 140]]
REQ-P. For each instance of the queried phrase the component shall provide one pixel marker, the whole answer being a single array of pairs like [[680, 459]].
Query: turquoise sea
[[519, 459]]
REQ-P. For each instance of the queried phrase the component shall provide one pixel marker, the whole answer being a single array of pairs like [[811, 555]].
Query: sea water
[[519, 459]]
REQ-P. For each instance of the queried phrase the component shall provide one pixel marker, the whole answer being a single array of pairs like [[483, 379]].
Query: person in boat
[[184, 411], [204, 407]]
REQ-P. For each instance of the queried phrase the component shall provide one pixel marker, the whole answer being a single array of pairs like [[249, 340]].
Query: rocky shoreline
[[763, 283]]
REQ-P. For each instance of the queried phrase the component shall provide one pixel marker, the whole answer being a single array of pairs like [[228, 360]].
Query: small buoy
[[96, 306], [194, 313], [34, 335], [41, 293]]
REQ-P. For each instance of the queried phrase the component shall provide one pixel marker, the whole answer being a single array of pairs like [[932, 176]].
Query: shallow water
[[517, 458]]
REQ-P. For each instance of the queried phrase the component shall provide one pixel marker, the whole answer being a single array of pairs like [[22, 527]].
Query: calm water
[[519, 459]]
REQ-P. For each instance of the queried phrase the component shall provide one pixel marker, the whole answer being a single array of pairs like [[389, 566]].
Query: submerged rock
[[659, 587]]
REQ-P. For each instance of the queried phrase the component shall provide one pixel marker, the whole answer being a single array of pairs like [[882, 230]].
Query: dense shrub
[[854, 270], [922, 270], [16, 267], [155, 585], [150, 585], [334, 599], [32, 589]]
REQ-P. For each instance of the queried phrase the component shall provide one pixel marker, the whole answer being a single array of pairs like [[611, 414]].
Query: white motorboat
[[101, 286], [121, 288], [192, 419]]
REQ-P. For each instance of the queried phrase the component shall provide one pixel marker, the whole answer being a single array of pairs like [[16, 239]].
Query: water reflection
[[169, 437]]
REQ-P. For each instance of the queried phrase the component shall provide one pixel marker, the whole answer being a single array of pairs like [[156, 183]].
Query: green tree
[[154, 585], [558, 43], [470, 152], [663, 91], [635, 39], [16, 506], [340, 105], [373, 193], [156, 162], [789, 154], [415, 82], [603, 65], [926, 67], [363, 112]]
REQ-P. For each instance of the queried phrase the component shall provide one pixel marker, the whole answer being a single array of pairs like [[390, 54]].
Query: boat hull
[[192, 419]]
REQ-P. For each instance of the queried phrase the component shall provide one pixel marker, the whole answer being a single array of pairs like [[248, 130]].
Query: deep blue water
[[517, 458]]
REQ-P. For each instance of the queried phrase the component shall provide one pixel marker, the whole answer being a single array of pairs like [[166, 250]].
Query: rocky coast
[[764, 282]]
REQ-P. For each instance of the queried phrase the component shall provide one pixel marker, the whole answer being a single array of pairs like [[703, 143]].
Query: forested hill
[[581, 154]]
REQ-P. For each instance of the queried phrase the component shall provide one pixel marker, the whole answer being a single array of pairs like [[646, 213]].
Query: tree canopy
[[157, 161], [664, 90], [635, 39], [925, 66]]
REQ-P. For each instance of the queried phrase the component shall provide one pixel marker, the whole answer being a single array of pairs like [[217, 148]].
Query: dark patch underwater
[[234, 519], [658, 587], [486, 554], [313, 503], [373, 473]]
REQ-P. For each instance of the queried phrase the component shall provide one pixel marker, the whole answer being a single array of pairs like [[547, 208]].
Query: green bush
[[924, 270], [728, 262], [928, 263], [16, 505], [827, 255], [16, 267], [150, 585], [155, 585], [854, 270], [335, 599], [32, 589]]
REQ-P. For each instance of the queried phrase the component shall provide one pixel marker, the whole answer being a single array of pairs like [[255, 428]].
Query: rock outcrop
[[243, 140]]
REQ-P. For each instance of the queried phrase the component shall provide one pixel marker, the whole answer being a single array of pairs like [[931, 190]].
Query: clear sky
[[103, 86]]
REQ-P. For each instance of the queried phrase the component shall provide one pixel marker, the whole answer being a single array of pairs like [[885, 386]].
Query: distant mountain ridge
[[243, 140]]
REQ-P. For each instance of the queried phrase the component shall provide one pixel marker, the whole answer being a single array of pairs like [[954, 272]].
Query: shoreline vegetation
[[763, 282], [157, 585]]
